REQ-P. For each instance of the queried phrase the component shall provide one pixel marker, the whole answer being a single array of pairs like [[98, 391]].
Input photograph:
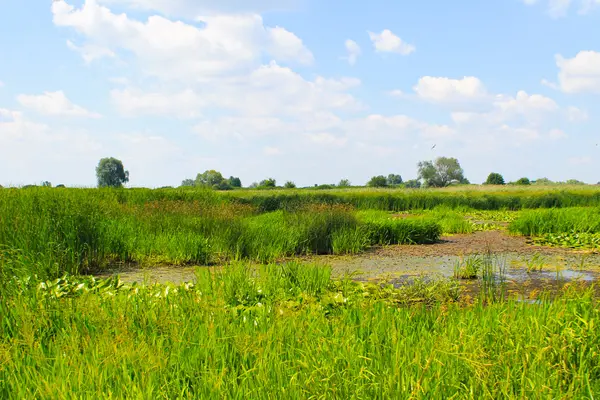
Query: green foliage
[[243, 332], [394, 180], [574, 182], [573, 240], [523, 182], [553, 221], [210, 178], [289, 185], [268, 183], [111, 173], [382, 229], [468, 267], [413, 184], [441, 173], [46, 184], [344, 183], [543, 181], [378, 181], [494, 179], [188, 183], [234, 182]]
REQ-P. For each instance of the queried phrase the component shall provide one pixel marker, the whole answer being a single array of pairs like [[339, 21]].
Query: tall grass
[[77, 231], [539, 222], [289, 332], [479, 198]]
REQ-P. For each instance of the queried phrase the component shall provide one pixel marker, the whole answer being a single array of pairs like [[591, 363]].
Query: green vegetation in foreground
[[290, 332], [73, 231]]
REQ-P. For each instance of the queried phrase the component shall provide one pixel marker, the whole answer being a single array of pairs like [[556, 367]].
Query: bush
[[378, 181], [523, 182], [289, 185], [495, 179]]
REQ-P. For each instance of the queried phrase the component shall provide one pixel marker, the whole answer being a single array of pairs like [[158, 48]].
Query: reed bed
[[289, 331]]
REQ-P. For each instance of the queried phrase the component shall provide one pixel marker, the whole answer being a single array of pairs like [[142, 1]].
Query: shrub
[[494, 179], [378, 181], [523, 182], [289, 185]]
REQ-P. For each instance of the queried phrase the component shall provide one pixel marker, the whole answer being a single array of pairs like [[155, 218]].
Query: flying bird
[[433, 147]]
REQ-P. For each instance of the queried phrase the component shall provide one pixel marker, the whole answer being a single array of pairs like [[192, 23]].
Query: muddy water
[[400, 263]]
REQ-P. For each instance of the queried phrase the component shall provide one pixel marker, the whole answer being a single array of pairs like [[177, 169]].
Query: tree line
[[441, 172]]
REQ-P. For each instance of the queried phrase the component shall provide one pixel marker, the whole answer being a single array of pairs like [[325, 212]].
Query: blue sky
[[302, 90]]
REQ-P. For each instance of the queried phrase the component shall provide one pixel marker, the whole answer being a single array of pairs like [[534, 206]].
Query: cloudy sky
[[304, 90]]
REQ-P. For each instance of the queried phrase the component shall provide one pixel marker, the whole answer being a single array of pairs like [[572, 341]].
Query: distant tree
[[60, 185], [523, 182], [495, 179], [46, 184], [253, 185], [289, 185], [378, 181], [393, 180], [413, 184], [325, 187], [442, 172], [344, 183], [188, 182], [111, 173], [544, 181], [223, 185], [575, 182], [268, 183], [209, 178], [234, 182], [1, 187]]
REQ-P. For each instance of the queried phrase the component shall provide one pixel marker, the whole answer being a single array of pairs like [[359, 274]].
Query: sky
[[303, 90]]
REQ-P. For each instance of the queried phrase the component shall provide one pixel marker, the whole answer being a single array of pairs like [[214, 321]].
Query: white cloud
[[91, 52], [193, 8], [556, 134], [560, 8], [387, 42], [132, 102], [34, 152], [579, 74], [575, 114], [174, 50], [272, 151], [327, 139], [525, 104], [54, 104], [353, 50], [447, 90]]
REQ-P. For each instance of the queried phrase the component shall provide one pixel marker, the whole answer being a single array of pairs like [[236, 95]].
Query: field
[[452, 293]]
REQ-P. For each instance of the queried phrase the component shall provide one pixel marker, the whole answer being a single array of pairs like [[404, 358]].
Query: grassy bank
[[83, 230], [289, 331]]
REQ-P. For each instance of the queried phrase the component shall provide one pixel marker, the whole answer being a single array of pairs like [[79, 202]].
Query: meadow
[[257, 323]]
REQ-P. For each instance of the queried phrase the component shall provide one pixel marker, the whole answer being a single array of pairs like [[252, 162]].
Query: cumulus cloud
[[388, 42], [174, 50], [448, 90], [187, 8], [54, 104], [579, 74], [91, 52], [353, 50]]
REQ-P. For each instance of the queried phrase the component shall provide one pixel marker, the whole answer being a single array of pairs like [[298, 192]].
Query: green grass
[[78, 231], [540, 222], [290, 332]]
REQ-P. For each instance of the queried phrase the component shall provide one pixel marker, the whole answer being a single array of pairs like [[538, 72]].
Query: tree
[[209, 178], [46, 184], [377, 181], [188, 182], [442, 172], [575, 182], [344, 183], [60, 185], [289, 185], [253, 185], [543, 181], [523, 181], [393, 180], [111, 173], [495, 179], [235, 182], [413, 184], [268, 183]]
